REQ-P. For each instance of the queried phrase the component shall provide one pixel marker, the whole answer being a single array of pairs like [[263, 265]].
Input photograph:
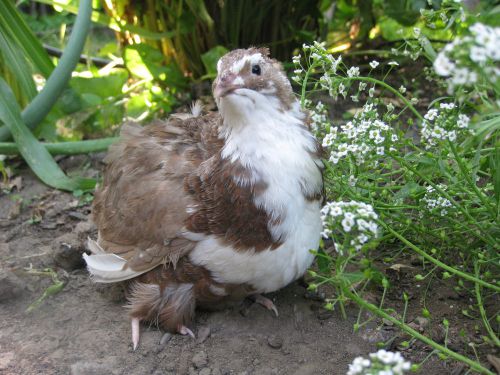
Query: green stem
[[466, 175], [64, 148], [486, 323], [404, 327], [438, 262], [304, 85], [391, 89]]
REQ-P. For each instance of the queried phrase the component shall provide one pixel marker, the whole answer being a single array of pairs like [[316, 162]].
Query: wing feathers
[[106, 267]]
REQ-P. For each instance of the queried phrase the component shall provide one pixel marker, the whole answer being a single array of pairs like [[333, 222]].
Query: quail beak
[[226, 85]]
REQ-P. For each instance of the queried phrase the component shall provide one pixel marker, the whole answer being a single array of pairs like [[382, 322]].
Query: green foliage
[[400, 181], [35, 155], [210, 59]]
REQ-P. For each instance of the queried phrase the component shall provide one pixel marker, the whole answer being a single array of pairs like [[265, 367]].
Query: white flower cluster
[[435, 202], [364, 139], [471, 59], [444, 124], [357, 220], [380, 363], [319, 118]]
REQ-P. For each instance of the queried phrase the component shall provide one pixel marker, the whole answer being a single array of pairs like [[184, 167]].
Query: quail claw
[[183, 330], [266, 302], [135, 332]]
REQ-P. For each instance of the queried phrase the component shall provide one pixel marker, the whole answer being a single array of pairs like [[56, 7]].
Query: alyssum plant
[[406, 182]]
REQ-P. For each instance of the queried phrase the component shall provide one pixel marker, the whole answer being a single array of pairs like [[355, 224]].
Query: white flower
[[347, 224], [353, 71], [446, 105], [402, 89], [362, 86], [380, 363], [393, 63], [371, 91], [328, 140], [442, 65], [297, 71], [460, 76], [478, 54], [374, 64], [463, 121], [356, 220], [354, 98], [334, 157], [390, 107], [416, 31], [431, 114], [342, 89], [435, 202], [352, 180], [380, 150]]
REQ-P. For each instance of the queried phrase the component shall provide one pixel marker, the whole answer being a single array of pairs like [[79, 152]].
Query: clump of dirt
[[83, 329]]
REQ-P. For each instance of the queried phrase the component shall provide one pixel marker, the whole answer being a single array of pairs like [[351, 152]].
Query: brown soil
[[84, 329]]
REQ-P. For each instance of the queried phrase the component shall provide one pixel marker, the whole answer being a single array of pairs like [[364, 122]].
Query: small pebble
[[324, 314], [200, 359], [165, 338], [275, 342], [203, 334], [314, 296]]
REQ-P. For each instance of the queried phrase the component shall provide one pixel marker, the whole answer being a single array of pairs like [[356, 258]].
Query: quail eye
[[256, 69]]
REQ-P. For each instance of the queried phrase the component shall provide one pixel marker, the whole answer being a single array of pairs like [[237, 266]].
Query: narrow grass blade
[[19, 31], [15, 63], [37, 157]]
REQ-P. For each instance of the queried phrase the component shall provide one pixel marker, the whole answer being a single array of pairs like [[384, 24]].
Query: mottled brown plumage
[[190, 207]]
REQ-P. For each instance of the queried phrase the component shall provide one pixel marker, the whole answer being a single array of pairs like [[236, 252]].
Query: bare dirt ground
[[84, 330]]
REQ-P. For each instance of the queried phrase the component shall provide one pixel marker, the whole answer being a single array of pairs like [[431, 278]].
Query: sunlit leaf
[[210, 59], [103, 86]]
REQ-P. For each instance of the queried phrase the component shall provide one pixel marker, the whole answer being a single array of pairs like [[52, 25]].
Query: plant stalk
[[64, 148]]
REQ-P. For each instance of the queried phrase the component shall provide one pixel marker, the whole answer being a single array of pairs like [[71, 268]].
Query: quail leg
[[266, 302]]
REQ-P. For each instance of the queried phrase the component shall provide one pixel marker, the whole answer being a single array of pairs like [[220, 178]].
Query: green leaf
[[17, 29], [148, 63], [324, 261], [353, 277], [210, 59], [103, 87], [35, 155], [411, 189]]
